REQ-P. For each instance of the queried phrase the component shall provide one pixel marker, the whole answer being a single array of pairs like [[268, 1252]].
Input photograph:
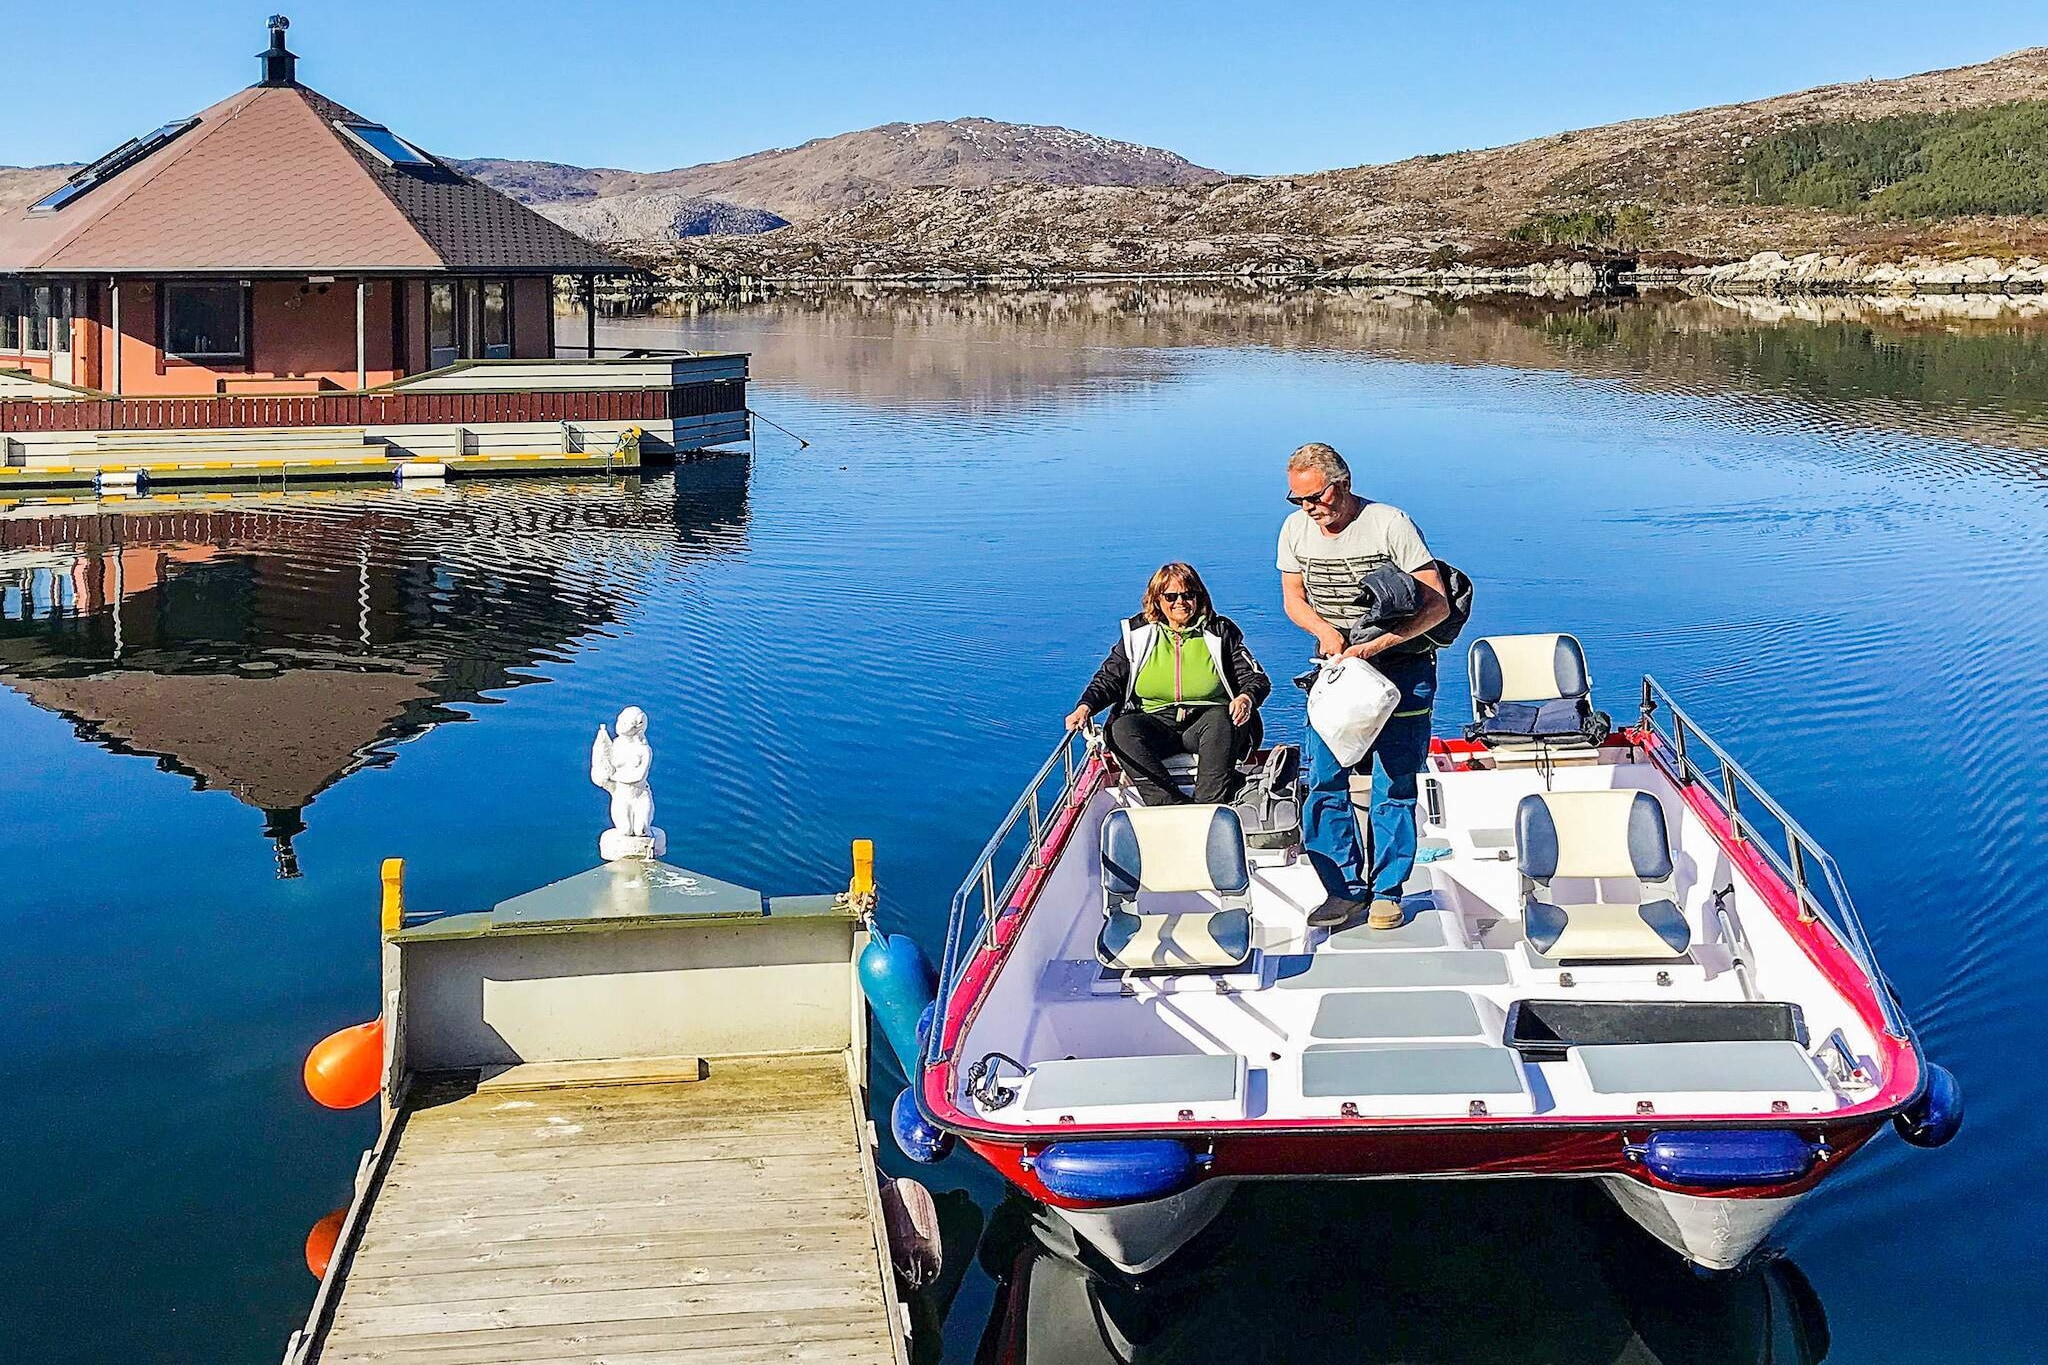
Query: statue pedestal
[[613, 846]]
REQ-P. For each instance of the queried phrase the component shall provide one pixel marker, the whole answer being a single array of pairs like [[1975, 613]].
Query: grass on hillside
[[1976, 161]]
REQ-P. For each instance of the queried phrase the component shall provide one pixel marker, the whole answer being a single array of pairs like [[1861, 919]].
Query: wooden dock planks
[[660, 1223]]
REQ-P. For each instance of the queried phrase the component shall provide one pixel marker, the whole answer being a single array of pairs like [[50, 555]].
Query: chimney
[[280, 67]]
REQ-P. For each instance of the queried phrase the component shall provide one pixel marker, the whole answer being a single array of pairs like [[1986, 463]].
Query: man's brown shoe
[[1385, 914]]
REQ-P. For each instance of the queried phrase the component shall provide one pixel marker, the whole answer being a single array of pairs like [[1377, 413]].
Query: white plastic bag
[[1349, 705]]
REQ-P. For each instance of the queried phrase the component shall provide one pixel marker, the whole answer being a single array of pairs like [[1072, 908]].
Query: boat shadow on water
[[1382, 1271]]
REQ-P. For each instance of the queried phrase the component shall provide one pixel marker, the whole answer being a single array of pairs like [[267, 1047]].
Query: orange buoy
[[320, 1242], [346, 1068]]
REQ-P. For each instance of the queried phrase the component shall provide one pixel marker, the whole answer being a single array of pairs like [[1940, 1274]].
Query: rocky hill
[[25, 184], [1672, 187], [657, 216], [830, 174]]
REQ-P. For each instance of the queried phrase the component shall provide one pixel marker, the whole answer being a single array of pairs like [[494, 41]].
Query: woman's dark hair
[[1189, 581]]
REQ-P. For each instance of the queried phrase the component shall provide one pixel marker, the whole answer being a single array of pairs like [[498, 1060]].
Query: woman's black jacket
[[1112, 683]]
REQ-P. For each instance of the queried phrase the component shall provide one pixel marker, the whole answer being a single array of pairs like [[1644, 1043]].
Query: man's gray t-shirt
[[1331, 567]]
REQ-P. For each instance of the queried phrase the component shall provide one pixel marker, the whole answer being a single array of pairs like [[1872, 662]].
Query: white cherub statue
[[620, 766]]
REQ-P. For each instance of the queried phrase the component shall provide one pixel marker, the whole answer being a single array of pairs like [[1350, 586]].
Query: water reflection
[[1973, 368], [271, 646], [1484, 1272]]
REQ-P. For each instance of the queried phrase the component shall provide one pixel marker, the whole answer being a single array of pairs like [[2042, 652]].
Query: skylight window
[[110, 165], [385, 145]]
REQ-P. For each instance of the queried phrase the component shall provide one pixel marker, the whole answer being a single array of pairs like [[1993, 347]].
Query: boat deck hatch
[[1698, 1068], [1415, 1014], [1541, 1030], [1457, 967], [1422, 1079], [1212, 1082]]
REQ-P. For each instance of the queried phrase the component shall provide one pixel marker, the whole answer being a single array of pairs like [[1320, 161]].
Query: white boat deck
[[1405, 1023]]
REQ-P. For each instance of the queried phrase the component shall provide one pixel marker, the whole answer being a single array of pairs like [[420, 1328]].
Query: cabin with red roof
[[279, 245]]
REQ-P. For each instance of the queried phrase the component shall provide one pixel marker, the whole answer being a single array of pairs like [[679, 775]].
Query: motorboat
[[1620, 961], [1393, 1272]]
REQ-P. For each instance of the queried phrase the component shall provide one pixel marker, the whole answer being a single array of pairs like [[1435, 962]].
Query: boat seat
[[1160, 866], [1360, 1015], [1613, 847], [1417, 1079], [1139, 1089], [1268, 798], [1532, 690]]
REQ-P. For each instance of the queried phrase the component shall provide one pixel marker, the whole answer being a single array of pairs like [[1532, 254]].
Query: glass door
[[442, 345]]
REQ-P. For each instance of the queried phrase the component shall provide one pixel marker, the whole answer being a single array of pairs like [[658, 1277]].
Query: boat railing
[[1757, 821], [1013, 852]]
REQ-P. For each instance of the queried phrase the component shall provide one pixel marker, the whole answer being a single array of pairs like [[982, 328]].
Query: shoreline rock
[[1767, 274]]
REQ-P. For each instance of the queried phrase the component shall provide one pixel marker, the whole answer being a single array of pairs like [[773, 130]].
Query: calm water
[[1825, 533]]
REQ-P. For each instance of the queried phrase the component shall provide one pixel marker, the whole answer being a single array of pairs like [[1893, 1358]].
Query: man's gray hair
[[1323, 459]]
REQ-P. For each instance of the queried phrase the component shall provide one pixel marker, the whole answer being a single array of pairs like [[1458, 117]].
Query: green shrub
[[1627, 228]]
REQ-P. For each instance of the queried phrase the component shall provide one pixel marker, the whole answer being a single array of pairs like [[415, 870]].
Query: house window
[[384, 144], [205, 321], [57, 326], [13, 303], [40, 318], [441, 344]]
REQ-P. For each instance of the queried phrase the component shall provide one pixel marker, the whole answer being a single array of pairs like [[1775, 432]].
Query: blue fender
[[898, 981], [1720, 1158], [921, 1140], [1116, 1171], [1937, 1116]]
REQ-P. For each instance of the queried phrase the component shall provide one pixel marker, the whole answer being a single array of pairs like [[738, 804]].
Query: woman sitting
[[1182, 682]]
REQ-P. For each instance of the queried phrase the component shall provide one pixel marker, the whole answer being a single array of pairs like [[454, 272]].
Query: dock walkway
[[599, 1211]]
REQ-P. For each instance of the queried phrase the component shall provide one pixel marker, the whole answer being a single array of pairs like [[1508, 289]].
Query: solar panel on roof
[[387, 145], [114, 162]]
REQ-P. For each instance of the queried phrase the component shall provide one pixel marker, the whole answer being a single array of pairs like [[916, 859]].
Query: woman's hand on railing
[[1077, 718]]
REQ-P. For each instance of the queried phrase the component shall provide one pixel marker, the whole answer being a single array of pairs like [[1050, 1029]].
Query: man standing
[[1327, 547]]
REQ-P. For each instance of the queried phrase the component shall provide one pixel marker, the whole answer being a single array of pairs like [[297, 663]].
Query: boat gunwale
[[1817, 938]]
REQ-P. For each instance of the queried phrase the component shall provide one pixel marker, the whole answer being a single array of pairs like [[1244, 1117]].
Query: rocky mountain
[[658, 216], [1673, 187], [831, 174]]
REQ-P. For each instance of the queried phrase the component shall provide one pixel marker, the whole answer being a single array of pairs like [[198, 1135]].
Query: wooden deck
[[562, 1213]]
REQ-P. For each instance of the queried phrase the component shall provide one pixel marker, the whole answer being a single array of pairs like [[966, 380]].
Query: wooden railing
[[395, 408]]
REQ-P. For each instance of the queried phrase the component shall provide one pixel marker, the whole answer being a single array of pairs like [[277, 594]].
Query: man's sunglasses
[[1178, 597], [1315, 498]]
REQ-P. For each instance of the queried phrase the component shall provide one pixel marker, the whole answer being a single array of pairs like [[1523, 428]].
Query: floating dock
[[471, 417], [625, 1120]]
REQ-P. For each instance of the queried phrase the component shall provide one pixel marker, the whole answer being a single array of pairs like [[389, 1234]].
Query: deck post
[[114, 293], [362, 344], [590, 317]]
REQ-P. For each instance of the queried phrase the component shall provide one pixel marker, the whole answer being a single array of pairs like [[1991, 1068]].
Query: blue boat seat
[[1613, 846], [1532, 690], [1161, 865]]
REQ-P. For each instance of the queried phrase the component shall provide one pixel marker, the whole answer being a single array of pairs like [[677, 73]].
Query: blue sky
[[1257, 88]]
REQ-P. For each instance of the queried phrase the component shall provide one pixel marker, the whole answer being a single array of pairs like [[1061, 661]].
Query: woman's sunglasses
[[1178, 597]]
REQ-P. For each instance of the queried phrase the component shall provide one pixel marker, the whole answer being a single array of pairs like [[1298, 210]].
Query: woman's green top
[[1179, 672]]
